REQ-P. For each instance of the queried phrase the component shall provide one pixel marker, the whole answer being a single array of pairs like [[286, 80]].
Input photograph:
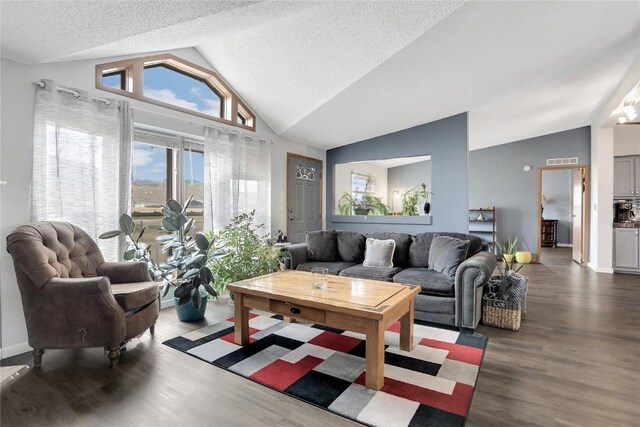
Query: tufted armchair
[[72, 298]]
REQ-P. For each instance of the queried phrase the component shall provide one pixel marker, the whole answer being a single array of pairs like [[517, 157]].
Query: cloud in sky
[[159, 167], [141, 157], [169, 96]]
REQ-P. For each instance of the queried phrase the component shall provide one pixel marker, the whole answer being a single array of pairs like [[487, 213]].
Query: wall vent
[[562, 161]]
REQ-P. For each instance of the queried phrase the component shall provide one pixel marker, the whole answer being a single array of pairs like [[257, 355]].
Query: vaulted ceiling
[[331, 73]]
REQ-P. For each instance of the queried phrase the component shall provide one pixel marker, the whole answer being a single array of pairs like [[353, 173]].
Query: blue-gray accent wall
[[497, 178], [446, 141]]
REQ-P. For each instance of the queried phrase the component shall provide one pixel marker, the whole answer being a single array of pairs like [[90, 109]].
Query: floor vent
[[563, 161]]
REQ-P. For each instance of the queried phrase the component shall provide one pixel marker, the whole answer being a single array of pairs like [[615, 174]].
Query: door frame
[[585, 208], [290, 157]]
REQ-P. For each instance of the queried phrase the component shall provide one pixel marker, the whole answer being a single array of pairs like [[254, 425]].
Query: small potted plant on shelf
[[508, 250], [412, 199], [185, 267]]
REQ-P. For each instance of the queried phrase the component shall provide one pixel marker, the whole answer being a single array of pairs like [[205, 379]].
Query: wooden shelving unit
[[485, 229]]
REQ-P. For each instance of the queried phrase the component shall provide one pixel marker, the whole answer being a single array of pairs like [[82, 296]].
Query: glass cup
[[319, 278]]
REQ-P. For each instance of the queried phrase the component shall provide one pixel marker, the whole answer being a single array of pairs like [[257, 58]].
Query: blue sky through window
[[149, 163], [113, 81], [166, 85]]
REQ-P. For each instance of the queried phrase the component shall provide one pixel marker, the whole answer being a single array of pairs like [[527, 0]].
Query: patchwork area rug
[[431, 385]]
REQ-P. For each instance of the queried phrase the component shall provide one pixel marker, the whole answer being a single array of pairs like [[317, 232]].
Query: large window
[[177, 84], [163, 167], [361, 184], [174, 87]]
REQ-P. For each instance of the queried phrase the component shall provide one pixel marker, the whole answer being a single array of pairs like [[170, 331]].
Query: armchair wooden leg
[[37, 357], [152, 329], [114, 354]]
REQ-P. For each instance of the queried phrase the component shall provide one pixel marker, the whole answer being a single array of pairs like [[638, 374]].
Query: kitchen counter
[[635, 224]]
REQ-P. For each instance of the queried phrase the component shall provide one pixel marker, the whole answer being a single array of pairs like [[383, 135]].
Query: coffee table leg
[[406, 329], [241, 320], [375, 355]]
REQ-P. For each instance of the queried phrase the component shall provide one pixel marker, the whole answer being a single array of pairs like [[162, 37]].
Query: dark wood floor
[[574, 361]]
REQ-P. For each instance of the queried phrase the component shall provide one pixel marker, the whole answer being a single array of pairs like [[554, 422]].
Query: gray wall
[[404, 178], [497, 178], [556, 187], [447, 142]]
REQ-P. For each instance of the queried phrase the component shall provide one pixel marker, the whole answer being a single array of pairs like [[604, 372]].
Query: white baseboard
[[14, 350], [600, 269], [565, 245]]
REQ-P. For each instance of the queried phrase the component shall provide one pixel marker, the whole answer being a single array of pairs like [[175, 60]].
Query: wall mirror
[[390, 187]]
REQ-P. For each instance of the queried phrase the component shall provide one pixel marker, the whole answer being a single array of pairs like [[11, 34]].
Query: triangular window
[[174, 83]]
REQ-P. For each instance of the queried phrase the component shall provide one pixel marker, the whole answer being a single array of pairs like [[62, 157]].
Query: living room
[[446, 118]]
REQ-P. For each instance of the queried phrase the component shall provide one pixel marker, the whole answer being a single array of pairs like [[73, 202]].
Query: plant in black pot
[[415, 200], [185, 267]]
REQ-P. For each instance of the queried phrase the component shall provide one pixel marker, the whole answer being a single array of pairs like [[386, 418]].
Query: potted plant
[[366, 205], [412, 199], [241, 252], [185, 267], [508, 250]]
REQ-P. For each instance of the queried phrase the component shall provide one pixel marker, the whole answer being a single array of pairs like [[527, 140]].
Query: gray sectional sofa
[[451, 300]]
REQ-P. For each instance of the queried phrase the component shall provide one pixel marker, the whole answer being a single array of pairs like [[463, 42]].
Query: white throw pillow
[[379, 253]]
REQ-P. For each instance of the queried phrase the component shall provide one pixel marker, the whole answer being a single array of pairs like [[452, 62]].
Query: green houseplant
[[368, 204], [185, 267], [241, 252], [508, 250], [411, 200]]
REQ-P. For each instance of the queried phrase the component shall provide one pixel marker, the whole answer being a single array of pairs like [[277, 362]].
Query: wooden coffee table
[[358, 305]]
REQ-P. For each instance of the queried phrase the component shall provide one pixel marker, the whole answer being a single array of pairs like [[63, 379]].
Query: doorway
[[304, 196], [563, 209]]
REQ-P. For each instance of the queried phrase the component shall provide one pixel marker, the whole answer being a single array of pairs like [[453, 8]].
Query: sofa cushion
[[419, 250], [403, 242], [431, 282], [333, 267], [379, 253], [351, 246], [322, 246], [447, 253], [359, 271], [475, 243], [421, 244]]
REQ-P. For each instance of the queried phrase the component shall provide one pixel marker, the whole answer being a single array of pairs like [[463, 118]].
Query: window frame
[[356, 193], [133, 70]]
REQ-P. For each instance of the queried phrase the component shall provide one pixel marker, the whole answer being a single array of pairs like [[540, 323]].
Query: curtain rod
[[204, 125], [75, 93]]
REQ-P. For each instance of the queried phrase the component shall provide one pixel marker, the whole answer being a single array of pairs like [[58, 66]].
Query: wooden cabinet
[[626, 249], [626, 176], [549, 233], [482, 223]]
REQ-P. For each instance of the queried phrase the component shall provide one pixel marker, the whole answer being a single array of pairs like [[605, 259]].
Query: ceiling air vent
[[561, 162]]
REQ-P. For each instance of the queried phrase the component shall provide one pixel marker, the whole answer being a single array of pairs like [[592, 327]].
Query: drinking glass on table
[[319, 278]]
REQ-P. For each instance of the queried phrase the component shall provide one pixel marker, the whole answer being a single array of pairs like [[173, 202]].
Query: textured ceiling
[[331, 73]]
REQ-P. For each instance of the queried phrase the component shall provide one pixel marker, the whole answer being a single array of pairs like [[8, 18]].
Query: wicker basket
[[501, 314]]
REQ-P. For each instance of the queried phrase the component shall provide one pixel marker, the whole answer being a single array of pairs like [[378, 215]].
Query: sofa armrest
[[298, 253], [125, 272], [471, 277], [79, 312]]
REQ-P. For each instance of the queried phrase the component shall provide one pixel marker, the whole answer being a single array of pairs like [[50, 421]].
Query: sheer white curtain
[[81, 162], [237, 178]]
